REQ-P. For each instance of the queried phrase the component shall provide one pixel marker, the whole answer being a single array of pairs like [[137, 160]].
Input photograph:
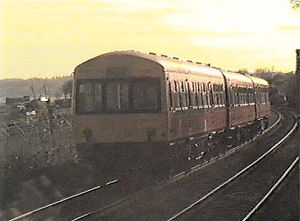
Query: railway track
[[160, 202], [283, 202], [231, 202], [271, 191], [193, 212], [37, 212], [124, 201]]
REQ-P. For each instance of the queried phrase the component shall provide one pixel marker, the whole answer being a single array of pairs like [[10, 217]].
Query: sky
[[46, 38]]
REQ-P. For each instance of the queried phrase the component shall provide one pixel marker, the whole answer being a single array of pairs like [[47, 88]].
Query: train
[[134, 108]]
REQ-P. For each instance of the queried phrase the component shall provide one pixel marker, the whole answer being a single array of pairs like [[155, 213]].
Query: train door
[[228, 99]]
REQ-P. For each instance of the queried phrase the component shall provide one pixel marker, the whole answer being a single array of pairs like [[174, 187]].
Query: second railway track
[[235, 198]]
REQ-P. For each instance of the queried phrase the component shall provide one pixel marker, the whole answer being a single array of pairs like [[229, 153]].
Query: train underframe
[[161, 160]]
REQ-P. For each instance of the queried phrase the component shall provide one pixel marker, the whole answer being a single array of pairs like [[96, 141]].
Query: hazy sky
[[45, 38]]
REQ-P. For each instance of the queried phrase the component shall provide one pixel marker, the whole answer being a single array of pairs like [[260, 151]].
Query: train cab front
[[118, 110]]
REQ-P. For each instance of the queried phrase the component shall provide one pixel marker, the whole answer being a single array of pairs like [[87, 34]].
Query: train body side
[[241, 99], [203, 110]]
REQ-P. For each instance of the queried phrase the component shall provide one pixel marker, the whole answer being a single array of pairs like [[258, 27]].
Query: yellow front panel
[[119, 128]]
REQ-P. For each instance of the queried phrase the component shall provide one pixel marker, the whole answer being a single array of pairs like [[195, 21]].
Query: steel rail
[[276, 122], [63, 200], [235, 176], [99, 210], [278, 182]]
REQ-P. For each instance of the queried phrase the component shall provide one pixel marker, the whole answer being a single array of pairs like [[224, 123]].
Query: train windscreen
[[117, 96]]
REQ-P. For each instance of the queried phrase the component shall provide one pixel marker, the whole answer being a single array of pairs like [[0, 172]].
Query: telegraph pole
[[298, 80]]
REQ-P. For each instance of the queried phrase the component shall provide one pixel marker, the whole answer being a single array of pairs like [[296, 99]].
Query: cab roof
[[258, 82], [169, 64]]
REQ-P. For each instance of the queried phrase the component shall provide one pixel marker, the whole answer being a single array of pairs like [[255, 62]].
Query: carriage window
[[117, 96], [98, 96], [197, 93], [175, 95], [220, 95], [214, 89], [204, 95], [90, 97], [216, 94], [251, 95], [145, 96], [242, 98], [193, 95], [186, 90], [183, 97], [210, 95], [85, 100], [237, 100]]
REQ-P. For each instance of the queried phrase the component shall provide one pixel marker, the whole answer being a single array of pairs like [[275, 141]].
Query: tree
[[295, 4], [67, 88], [243, 71]]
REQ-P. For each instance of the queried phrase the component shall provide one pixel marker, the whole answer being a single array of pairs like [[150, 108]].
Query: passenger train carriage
[[127, 102]]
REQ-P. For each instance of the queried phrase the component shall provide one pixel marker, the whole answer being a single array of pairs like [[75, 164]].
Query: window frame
[[156, 82]]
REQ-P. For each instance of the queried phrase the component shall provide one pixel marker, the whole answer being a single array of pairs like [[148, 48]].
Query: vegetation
[[34, 87], [67, 88], [285, 83], [295, 4]]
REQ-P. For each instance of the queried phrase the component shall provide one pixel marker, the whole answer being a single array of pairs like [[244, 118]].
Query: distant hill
[[20, 88]]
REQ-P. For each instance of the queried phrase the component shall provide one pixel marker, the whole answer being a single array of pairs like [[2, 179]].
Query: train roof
[[174, 64], [258, 82], [237, 79], [161, 59], [170, 64]]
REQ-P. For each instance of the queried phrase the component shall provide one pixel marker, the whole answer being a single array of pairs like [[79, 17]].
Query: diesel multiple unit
[[133, 98]]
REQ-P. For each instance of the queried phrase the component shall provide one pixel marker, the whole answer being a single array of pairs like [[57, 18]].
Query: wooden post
[[298, 79]]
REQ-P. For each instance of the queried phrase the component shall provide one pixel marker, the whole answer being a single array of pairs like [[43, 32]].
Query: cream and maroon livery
[[183, 99]]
